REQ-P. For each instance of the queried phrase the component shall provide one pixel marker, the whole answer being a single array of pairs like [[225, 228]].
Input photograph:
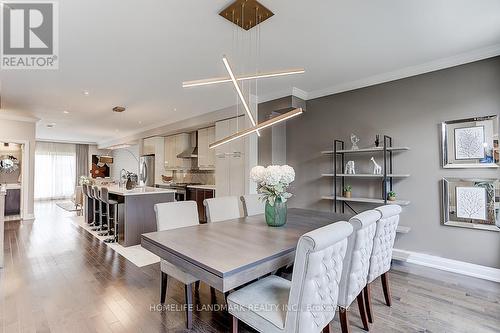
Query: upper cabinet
[[174, 145], [206, 156]]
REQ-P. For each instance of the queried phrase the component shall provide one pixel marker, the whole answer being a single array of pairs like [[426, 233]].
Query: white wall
[[124, 159]]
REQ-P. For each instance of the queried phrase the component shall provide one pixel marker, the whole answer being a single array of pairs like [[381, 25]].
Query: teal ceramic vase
[[276, 215]]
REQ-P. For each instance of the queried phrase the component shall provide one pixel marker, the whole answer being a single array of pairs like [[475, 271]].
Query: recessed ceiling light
[[86, 92], [175, 109], [65, 112], [140, 122]]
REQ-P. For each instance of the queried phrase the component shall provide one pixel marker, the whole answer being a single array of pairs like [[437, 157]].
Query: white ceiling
[[137, 53]]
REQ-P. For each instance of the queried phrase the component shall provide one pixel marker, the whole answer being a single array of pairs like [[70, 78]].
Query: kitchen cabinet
[[230, 174], [174, 145], [155, 146], [13, 202], [206, 156], [199, 195]]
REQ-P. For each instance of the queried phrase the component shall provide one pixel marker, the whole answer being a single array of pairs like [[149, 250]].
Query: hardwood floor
[[58, 278]]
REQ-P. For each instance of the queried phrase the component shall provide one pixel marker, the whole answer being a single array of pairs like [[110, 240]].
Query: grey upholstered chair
[[252, 205], [222, 208], [173, 215], [308, 302], [380, 261], [356, 266]]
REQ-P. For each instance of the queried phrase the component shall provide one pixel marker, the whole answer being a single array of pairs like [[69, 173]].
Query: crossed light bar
[[267, 123], [206, 82], [237, 87]]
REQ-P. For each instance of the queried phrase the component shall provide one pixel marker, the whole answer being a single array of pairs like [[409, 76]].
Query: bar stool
[[97, 209], [112, 216], [86, 194]]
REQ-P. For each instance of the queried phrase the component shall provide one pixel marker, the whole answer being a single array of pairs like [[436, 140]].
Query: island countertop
[[143, 190]]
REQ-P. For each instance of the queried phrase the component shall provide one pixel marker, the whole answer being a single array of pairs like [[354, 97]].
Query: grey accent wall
[[410, 111]]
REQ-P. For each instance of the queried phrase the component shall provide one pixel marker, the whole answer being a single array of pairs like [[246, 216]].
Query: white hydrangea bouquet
[[273, 181], [272, 185]]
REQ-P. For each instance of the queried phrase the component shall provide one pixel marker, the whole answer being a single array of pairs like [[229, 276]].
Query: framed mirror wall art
[[471, 203], [470, 143]]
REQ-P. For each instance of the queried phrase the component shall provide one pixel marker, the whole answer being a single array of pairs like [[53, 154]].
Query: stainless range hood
[[191, 152]]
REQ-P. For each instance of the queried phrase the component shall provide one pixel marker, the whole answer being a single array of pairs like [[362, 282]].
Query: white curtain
[[55, 170]]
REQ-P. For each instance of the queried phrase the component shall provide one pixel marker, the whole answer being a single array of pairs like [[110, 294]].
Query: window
[[55, 170]]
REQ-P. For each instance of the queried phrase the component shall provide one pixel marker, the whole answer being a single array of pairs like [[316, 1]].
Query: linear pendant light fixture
[[247, 14], [265, 124]]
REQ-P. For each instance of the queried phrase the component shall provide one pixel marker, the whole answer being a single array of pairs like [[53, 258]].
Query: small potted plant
[[391, 196], [348, 191]]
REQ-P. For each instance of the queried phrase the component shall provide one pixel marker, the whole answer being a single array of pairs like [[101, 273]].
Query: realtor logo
[[29, 35]]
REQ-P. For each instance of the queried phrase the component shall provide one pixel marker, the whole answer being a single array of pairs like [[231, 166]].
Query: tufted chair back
[[357, 259], [316, 277], [380, 261]]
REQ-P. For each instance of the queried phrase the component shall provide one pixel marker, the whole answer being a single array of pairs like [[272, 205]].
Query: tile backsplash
[[192, 176]]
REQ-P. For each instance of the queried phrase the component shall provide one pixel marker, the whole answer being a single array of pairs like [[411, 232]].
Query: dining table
[[231, 253]]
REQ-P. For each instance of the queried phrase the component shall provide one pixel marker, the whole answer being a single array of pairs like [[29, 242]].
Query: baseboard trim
[[29, 217], [449, 265]]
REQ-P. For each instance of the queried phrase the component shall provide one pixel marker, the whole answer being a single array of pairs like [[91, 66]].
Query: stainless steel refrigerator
[[147, 170]]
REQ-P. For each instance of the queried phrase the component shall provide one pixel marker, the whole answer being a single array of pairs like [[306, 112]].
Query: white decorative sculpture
[[377, 169], [349, 168], [354, 140]]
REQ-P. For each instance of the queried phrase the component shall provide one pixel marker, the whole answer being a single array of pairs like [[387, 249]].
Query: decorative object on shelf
[[272, 184], [349, 168], [348, 191], [391, 196], [471, 203], [8, 164], [354, 141], [377, 140], [377, 169], [470, 143]]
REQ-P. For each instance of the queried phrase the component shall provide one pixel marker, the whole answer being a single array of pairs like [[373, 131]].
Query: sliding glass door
[[55, 170]]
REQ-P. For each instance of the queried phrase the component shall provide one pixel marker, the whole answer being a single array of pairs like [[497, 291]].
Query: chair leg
[[235, 324], [362, 311], [344, 320], [368, 302], [386, 289], [189, 306], [163, 292]]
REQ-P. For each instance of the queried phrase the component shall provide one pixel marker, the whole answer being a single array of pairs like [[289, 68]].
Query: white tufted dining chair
[[307, 303], [380, 261], [222, 208], [252, 205], [173, 215], [356, 266]]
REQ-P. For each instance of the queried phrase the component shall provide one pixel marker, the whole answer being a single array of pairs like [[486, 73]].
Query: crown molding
[[435, 65]]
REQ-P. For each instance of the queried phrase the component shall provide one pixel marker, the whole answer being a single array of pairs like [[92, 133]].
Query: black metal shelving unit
[[339, 152]]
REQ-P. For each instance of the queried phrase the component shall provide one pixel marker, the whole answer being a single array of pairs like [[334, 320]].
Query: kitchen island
[[136, 211]]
